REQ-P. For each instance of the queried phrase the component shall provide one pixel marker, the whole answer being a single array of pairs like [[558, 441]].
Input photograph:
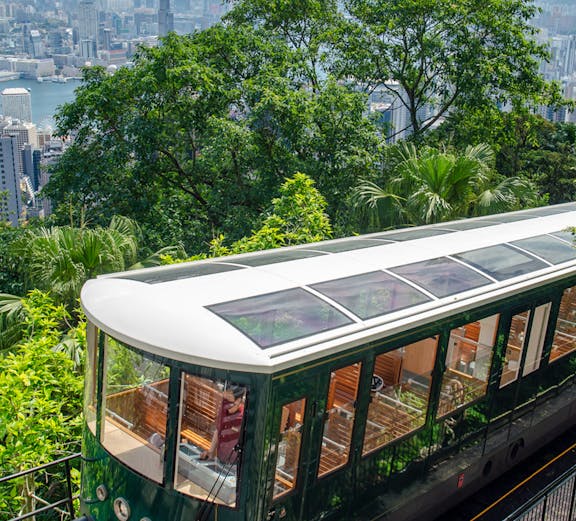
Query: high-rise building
[[17, 104], [10, 194], [31, 158], [165, 18], [88, 28]]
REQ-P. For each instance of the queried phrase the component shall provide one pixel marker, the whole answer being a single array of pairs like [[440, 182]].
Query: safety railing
[[62, 506], [556, 502]]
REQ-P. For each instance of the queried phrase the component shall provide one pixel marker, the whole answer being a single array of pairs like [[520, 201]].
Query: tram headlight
[[121, 509]]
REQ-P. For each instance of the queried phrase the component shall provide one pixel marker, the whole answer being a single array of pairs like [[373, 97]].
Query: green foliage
[[298, 216], [61, 259], [445, 55], [40, 397], [430, 185]]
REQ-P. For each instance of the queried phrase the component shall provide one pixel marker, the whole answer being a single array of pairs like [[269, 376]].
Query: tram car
[[386, 376]]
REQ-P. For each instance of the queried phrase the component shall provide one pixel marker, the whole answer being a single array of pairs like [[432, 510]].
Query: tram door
[[296, 418]]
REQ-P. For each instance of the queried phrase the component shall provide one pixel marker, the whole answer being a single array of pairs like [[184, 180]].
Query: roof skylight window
[[371, 294], [548, 248], [501, 262], [276, 318], [442, 276]]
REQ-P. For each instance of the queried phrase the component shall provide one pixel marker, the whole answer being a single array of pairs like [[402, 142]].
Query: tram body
[[384, 376]]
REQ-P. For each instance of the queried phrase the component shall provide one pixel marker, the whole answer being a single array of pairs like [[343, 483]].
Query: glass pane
[[276, 318], [549, 248], [289, 447], [276, 257], [400, 393], [408, 235], [565, 236], [501, 262], [469, 224], [211, 427], [340, 411], [179, 271], [565, 333], [442, 277], [468, 361], [348, 245], [90, 379], [514, 349], [371, 294], [136, 406], [537, 336]]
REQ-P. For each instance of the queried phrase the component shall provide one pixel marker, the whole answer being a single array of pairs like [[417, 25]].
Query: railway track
[[519, 485]]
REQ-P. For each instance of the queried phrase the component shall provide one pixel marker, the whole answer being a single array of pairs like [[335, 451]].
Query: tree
[[297, 217], [40, 400], [432, 185], [62, 259], [199, 135], [435, 56]]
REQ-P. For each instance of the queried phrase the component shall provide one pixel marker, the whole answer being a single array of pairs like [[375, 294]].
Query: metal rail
[[555, 502], [69, 496]]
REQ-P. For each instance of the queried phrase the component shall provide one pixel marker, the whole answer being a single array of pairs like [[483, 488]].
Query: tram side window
[[537, 337], [339, 418], [90, 379], [516, 339], [135, 409], [211, 425], [289, 447], [399, 398], [565, 333], [468, 361]]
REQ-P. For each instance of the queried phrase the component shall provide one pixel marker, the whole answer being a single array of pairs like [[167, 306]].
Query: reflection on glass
[[289, 447], [400, 393], [548, 248], [340, 411], [371, 294], [514, 348], [135, 409], [537, 337], [276, 318], [502, 261], [565, 333], [442, 276], [90, 379], [468, 362], [211, 426]]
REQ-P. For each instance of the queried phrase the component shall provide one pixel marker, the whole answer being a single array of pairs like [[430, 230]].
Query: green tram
[[386, 376]]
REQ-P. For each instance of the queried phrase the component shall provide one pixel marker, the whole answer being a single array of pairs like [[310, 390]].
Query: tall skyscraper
[[17, 104], [88, 28], [165, 18], [10, 195]]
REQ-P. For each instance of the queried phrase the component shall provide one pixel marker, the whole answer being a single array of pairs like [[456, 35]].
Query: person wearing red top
[[228, 427]]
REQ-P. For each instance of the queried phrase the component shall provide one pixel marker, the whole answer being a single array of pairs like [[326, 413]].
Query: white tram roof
[[275, 309]]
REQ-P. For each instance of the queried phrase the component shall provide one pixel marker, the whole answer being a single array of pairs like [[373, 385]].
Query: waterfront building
[[11, 199], [25, 131], [17, 104]]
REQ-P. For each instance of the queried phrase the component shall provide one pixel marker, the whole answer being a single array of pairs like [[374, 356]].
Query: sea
[[46, 97]]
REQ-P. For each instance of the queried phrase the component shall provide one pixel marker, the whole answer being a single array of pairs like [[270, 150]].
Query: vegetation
[[203, 144]]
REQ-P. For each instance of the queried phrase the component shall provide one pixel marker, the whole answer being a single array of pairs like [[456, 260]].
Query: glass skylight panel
[[513, 217], [551, 210], [371, 294], [178, 272], [348, 245], [501, 262], [442, 276], [275, 257], [469, 224], [408, 235], [276, 318], [565, 236], [548, 248]]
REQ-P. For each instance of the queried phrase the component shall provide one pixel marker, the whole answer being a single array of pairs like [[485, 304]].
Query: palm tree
[[62, 259], [431, 185]]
